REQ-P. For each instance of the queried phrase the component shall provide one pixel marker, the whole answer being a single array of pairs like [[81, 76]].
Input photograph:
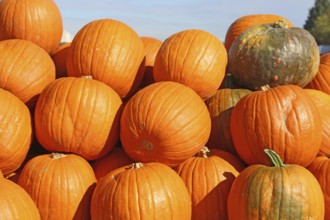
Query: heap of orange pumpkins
[[114, 125]]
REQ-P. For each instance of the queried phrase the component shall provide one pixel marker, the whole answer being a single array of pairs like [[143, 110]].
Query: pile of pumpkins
[[114, 125]]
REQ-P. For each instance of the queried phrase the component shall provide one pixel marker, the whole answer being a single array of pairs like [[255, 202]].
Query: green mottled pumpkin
[[273, 54]]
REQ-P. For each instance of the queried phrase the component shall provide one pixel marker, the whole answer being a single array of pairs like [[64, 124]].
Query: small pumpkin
[[61, 185], [165, 122], [194, 58], [15, 202], [209, 192], [278, 191], [141, 191], [111, 52], [284, 119], [322, 79], [273, 54], [59, 56], [241, 24], [38, 21], [78, 115]]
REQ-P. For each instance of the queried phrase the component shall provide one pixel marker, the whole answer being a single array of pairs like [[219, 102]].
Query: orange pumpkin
[[243, 23], [25, 69], [194, 58], [234, 160], [111, 52], [151, 46], [59, 57], [15, 132], [141, 191], [15, 202], [38, 21], [209, 191], [322, 79], [61, 185], [78, 115], [164, 122], [284, 119]]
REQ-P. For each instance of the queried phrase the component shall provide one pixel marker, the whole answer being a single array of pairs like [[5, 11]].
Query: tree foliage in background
[[318, 22]]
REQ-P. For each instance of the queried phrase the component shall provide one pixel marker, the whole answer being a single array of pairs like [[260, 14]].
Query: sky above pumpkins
[[160, 19]]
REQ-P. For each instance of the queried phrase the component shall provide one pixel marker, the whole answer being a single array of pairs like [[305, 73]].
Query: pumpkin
[[25, 69], [38, 21], [284, 119], [15, 132], [322, 101], [220, 106], [59, 56], [278, 191], [320, 169], [194, 58], [141, 191], [116, 158], [15, 202], [61, 185], [241, 24], [322, 79], [151, 46], [273, 54], [111, 52], [209, 192], [234, 160], [164, 122], [78, 115]]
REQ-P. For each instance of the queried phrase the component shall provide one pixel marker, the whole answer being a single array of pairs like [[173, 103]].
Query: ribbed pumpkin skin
[[165, 122], [243, 23], [25, 69], [111, 52], [153, 191], [322, 79], [38, 21], [271, 54], [151, 46], [15, 132], [322, 101], [59, 56], [209, 191], [261, 192], [78, 115], [61, 185], [194, 58], [220, 106], [320, 168], [15, 202], [283, 119]]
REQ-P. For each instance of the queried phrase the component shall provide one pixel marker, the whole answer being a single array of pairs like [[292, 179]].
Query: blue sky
[[160, 19]]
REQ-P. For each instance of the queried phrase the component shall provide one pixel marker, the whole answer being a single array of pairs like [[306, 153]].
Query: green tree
[[318, 21]]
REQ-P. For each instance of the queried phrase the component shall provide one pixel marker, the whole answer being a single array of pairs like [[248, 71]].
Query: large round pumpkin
[[241, 24], [195, 58], [25, 69], [38, 21], [148, 191], [209, 191], [61, 185], [322, 79], [15, 132], [15, 202], [164, 122], [111, 52], [78, 115], [273, 54], [284, 119], [279, 191]]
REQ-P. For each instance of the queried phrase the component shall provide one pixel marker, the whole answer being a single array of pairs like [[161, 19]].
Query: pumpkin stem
[[204, 152], [87, 77], [137, 165], [265, 88], [56, 156], [281, 24], [275, 158]]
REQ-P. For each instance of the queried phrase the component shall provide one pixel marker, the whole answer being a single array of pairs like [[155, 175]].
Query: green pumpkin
[[273, 54]]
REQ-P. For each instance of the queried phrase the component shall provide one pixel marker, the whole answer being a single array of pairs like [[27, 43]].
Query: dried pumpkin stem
[[87, 77], [265, 88], [275, 158], [281, 24], [137, 165], [204, 152], [57, 156]]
